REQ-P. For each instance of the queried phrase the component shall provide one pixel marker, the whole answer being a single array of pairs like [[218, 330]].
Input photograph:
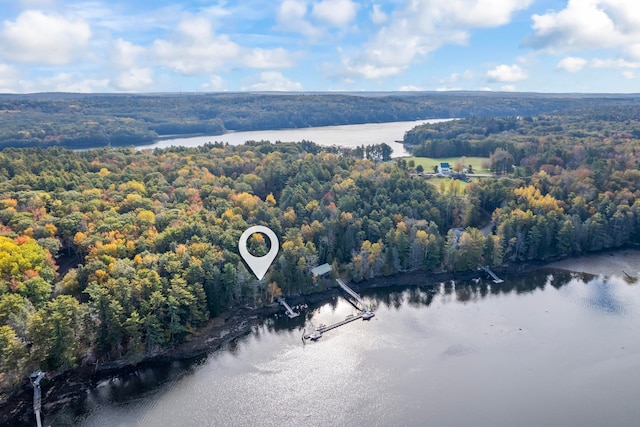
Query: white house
[[444, 169]]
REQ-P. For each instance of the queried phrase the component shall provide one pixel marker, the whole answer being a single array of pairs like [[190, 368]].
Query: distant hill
[[92, 120]]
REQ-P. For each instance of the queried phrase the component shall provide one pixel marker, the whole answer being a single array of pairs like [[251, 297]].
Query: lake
[[552, 348], [344, 136]]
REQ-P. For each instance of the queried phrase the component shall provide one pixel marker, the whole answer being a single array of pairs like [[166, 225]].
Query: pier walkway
[[351, 292], [495, 278], [365, 314], [37, 395], [322, 329], [292, 314]]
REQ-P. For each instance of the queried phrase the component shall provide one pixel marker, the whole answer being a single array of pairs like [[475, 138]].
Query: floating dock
[[322, 329], [495, 278], [365, 314], [292, 314]]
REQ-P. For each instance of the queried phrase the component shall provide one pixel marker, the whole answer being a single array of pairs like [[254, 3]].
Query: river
[[552, 348], [344, 136]]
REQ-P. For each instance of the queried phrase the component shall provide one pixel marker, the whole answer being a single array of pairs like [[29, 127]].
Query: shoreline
[[71, 387]]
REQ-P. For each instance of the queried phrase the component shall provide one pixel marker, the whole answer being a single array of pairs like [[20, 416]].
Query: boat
[[315, 335], [368, 315]]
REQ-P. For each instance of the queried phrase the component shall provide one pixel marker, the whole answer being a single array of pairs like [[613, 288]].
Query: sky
[[320, 45]]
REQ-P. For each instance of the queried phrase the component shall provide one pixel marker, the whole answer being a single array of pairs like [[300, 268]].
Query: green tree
[[57, 332]]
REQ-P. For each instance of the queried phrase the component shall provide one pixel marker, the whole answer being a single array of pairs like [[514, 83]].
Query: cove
[[550, 347]]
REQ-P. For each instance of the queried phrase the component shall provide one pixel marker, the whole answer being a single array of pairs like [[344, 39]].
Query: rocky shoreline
[[72, 386]]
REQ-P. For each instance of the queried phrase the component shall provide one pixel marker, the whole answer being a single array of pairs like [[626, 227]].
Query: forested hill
[[116, 253], [95, 120]]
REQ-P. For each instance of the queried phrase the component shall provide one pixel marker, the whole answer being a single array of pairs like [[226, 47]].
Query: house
[[444, 169], [321, 270]]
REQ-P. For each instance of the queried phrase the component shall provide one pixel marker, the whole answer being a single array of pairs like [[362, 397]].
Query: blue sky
[[320, 45]]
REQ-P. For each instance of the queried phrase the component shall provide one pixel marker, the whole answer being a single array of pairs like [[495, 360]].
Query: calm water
[[345, 136], [547, 349]]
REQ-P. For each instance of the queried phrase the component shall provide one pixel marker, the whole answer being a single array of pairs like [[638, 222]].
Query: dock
[[37, 395], [365, 314], [292, 314], [321, 330], [495, 278], [353, 293]]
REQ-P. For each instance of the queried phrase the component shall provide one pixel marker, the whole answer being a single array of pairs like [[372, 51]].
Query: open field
[[428, 162], [451, 184]]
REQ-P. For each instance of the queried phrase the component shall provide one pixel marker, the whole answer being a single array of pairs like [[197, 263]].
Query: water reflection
[[550, 339], [469, 291]]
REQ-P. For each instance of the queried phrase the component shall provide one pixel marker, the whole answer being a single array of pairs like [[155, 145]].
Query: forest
[[116, 253], [98, 120]]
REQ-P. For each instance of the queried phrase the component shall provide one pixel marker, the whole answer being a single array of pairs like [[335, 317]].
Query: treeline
[[146, 242], [482, 136], [573, 177], [118, 253], [94, 120]]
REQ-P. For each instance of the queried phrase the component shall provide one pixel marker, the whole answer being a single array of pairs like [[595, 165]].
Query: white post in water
[[35, 378]]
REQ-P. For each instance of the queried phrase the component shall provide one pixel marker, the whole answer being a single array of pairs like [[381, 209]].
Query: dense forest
[[97, 120], [115, 253]]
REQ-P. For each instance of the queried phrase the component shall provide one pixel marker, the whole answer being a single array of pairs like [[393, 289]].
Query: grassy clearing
[[451, 184], [428, 162]]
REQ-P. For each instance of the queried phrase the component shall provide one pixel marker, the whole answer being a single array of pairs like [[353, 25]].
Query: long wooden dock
[[365, 314], [323, 329], [353, 293]]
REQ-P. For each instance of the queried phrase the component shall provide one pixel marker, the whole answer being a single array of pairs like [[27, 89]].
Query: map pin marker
[[259, 265]]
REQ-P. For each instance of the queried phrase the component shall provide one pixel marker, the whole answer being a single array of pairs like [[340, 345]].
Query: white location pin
[[259, 265]]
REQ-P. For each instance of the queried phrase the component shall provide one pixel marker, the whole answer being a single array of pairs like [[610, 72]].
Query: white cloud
[[274, 81], [215, 83], [456, 77], [506, 73], [410, 88], [614, 63], [9, 78], [195, 49], [338, 13], [370, 71], [633, 52], [135, 79], [571, 64], [37, 37], [421, 26], [292, 16], [629, 74], [377, 15], [508, 88], [588, 24], [269, 58], [447, 88], [125, 54], [66, 82]]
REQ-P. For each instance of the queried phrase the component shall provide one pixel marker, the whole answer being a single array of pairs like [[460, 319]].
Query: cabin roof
[[321, 269]]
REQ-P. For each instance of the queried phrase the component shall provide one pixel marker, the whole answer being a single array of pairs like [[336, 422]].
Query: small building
[[321, 270], [321, 276], [444, 169]]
